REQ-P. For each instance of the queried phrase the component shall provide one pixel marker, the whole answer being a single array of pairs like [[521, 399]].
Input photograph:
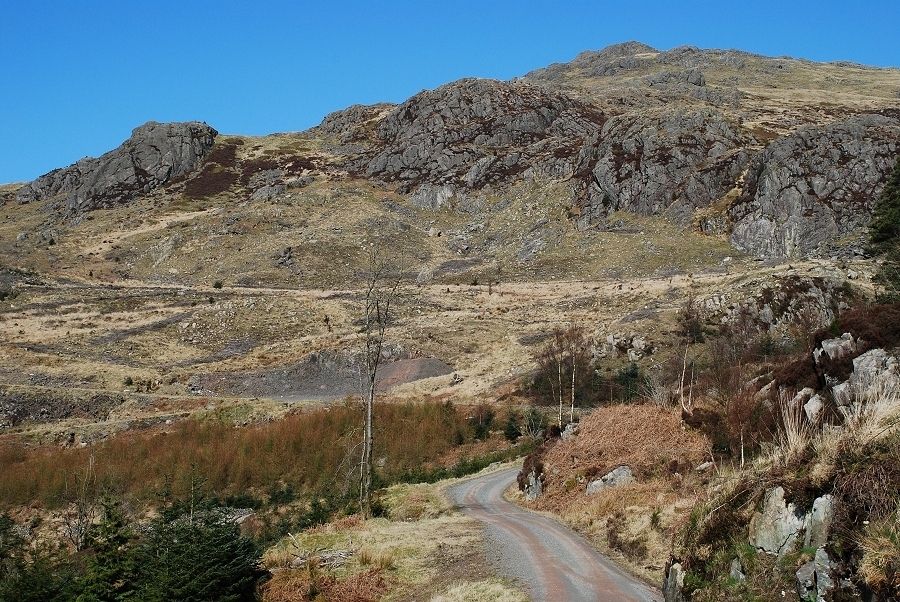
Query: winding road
[[551, 560]]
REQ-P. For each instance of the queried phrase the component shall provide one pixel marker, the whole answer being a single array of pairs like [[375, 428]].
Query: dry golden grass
[[880, 563], [308, 583], [382, 559], [489, 590], [411, 555]]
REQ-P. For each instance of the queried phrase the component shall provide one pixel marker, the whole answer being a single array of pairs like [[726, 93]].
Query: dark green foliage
[[884, 236], [482, 420], [630, 380], [280, 495], [885, 226], [203, 557], [512, 430], [111, 571]]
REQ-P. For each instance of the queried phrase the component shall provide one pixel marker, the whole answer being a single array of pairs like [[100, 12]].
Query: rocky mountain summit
[[784, 156]]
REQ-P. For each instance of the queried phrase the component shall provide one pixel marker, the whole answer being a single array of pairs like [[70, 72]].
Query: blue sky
[[78, 76]]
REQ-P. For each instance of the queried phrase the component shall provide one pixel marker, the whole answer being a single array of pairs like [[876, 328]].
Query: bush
[[218, 284], [690, 324], [884, 237], [210, 181]]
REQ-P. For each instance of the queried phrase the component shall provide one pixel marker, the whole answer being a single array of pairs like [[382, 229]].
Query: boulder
[[775, 528], [818, 522], [813, 408], [155, 154], [569, 432], [808, 189], [533, 486], [673, 584], [619, 476], [835, 349]]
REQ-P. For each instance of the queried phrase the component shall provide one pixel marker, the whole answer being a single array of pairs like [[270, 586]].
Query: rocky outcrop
[[673, 584], [776, 527], [455, 127], [614, 478], [671, 163], [813, 578], [812, 301], [818, 523], [471, 134], [534, 486], [155, 154], [808, 189]]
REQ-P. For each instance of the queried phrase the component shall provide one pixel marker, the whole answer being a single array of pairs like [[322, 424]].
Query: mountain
[[784, 156], [667, 247]]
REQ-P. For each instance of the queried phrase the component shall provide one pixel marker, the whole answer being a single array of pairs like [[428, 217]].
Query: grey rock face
[[835, 349], [670, 163], [534, 486], [473, 133], [153, 155], [736, 570], [776, 526], [674, 583], [814, 579], [693, 77], [814, 186], [619, 476], [819, 522], [875, 365], [813, 408], [784, 302]]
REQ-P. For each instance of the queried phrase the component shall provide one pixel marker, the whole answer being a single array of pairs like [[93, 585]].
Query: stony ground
[[148, 313]]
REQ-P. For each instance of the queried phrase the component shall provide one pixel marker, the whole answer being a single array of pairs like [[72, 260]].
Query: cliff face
[[805, 191]]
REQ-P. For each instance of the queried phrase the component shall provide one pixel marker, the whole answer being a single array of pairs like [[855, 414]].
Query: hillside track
[[553, 562]]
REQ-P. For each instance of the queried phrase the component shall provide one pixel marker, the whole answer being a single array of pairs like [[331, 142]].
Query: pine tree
[[110, 576], [512, 431], [203, 557], [884, 237], [885, 227]]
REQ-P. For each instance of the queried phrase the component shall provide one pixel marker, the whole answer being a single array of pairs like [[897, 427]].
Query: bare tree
[[79, 517], [382, 287], [566, 350]]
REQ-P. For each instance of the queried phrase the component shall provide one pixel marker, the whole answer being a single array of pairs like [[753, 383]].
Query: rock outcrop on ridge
[[155, 154]]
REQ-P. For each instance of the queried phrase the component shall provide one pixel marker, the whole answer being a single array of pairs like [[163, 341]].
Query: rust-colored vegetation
[[310, 451]]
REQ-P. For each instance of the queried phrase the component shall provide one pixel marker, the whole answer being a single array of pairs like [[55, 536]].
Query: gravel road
[[553, 562]]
